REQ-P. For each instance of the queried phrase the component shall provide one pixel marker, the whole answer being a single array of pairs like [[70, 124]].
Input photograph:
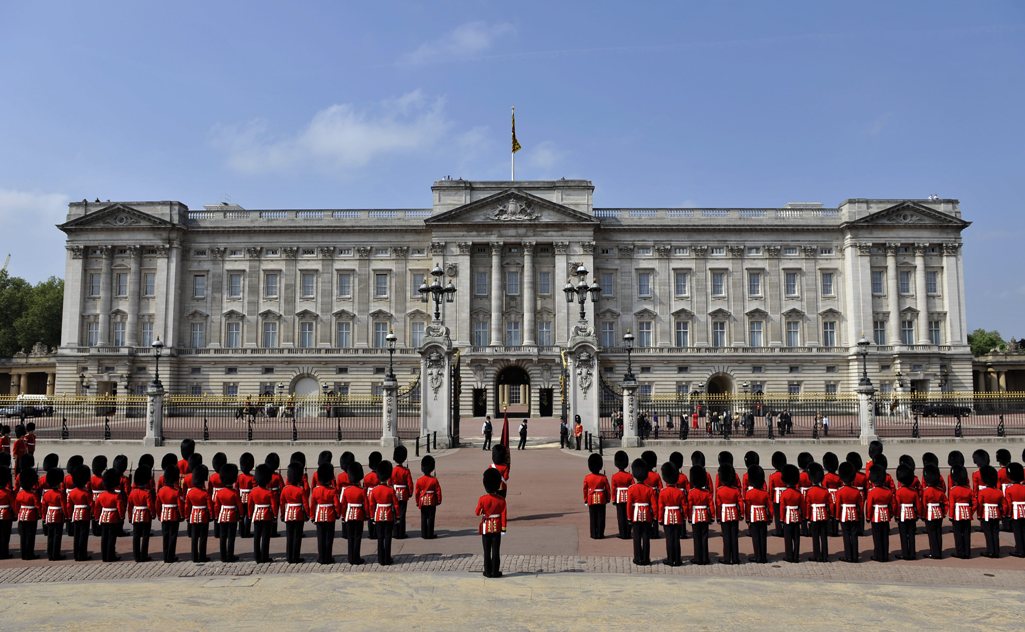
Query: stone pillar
[[496, 294], [134, 281], [529, 298], [463, 320], [362, 288], [325, 296], [892, 296], [389, 412], [15, 383], [562, 316], [51, 379], [105, 296], [436, 383], [953, 298], [154, 415], [1001, 381], [866, 414], [921, 296], [630, 439], [584, 388]]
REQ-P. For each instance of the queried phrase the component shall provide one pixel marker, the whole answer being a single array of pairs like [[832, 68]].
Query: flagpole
[[512, 155]]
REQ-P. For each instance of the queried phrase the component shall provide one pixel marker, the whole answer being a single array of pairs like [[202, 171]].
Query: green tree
[[14, 296], [41, 319], [982, 341]]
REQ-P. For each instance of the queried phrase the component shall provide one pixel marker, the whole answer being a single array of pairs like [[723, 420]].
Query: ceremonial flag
[[515, 143], [505, 438]]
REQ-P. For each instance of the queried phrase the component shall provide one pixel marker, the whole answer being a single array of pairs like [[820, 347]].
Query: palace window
[[308, 284], [607, 333], [343, 334], [147, 334], [879, 332], [932, 282], [416, 279], [306, 334], [480, 283], [481, 334], [512, 282], [233, 335], [380, 334], [790, 284], [718, 334], [234, 285], [756, 339], [199, 286], [607, 284], [118, 331], [512, 333], [416, 333], [197, 335], [934, 332], [121, 284], [754, 283], [149, 284], [682, 333], [681, 282], [270, 334], [270, 284], [344, 284], [93, 284], [907, 332], [793, 333], [380, 285], [544, 333], [92, 333], [829, 333], [644, 333], [878, 282], [644, 284], [719, 284], [544, 282], [904, 282], [827, 284]]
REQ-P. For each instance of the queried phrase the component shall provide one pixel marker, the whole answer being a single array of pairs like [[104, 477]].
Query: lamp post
[[628, 340], [437, 291], [863, 352], [391, 338], [580, 291], [158, 347]]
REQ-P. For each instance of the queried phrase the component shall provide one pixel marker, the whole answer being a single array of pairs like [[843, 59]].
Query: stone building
[[249, 301]]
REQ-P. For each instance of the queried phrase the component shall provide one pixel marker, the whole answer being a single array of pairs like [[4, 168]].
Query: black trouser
[[881, 541], [563, 441], [5, 538], [653, 527], [672, 532], [522, 445], [245, 530], [492, 554], [597, 515], [108, 541], [371, 529], [962, 538], [792, 541], [642, 543], [819, 531], [907, 529], [990, 529], [79, 530], [934, 529], [1018, 529], [293, 540], [140, 541], [262, 530], [700, 542], [779, 520], [384, 535], [227, 543], [169, 532], [730, 541], [850, 540], [354, 534], [759, 540], [427, 515], [54, 535], [578, 438], [200, 532], [487, 441], [400, 520], [622, 522], [834, 527], [27, 537], [325, 542]]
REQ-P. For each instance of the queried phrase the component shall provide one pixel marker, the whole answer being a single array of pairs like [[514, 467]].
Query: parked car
[[19, 410], [940, 409]]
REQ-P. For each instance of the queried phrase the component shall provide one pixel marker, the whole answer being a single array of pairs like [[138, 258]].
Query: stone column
[[866, 414], [496, 294], [630, 439], [325, 297], [154, 415], [105, 296], [362, 289], [460, 317], [74, 294], [921, 296], [892, 296], [24, 383], [436, 384], [664, 292], [175, 276], [134, 291], [953, 297], [51, 378], [583, 378], [529, 298], [389, 412], [1001, 382], [400, 296], [562, 316]]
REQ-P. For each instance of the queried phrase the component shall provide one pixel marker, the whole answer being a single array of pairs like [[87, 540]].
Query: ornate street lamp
[[158, 347], [580, 291], [863, 352], [628, 340], [437, 291], [391, 338]]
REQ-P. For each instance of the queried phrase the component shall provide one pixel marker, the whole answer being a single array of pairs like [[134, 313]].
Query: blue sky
[[308, 104]]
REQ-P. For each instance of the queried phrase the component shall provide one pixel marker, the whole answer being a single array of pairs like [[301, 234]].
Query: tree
[[14, 294], [982, 342], [29, 314]]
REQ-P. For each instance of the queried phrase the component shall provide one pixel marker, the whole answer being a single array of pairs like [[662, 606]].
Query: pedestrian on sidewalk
[[487, 429], [523, 436], [578, 430], [563, 433]]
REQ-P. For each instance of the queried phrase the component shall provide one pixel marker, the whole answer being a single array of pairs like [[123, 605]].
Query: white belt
[[107, 509], [287, 505], [401, 487]]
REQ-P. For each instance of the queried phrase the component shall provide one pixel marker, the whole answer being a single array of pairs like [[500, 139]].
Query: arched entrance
[[512, 388], [720, 391], [306, 386]]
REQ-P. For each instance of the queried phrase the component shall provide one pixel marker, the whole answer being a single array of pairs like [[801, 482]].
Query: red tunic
[[80, 504], [907, 504], [370, 481], [791, 506], [641, 503], [245, 484], [960, 503], [53, 506], [324, 503], [427, 491], [19, 450], [384, 507], [977, 483], [294, 505], [803, 482], [109, 508], [5, 444], [492, 511], [682, 482], [621, 482], [504, 471], [26, 506], [354, 504], [342, 481], [402, 483], [818, 504], [198, 508], [860, 482], [744, 484], [170, 505], [730, 504], [183, 467], [30, 442], [990, 504], [227, 506], [758, 504], [1002, 481], [879, 504], [1015, 496], [654, 481], [776, 486], [934, 503], [597, 490], [141, 507], [672, 504], [267, 502], [700, 506]]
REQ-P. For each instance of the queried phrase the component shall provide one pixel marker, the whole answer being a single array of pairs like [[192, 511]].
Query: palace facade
[[717, 299]]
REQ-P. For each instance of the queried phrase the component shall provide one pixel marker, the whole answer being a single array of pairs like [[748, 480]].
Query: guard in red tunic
[[991, 507], [730, 509], [263, 512], [402, 483], [1015, 496], [860, 483], [214, 485], [934, 507], [672, 503], [961, 509], [758, 512], [370, 481], [654, 481], [28, 510], [199, 511], [187, 449], [245, 484], [597, 492], [908, 504], [109, 512], [621, 482], [20, 447], [295, 510], [791, 505], [80, 510], [274, 486], [325, 510], [981, 459], [804, 459], [141, 510], [879, 507], [170, 510], [700, 511], [776, 487], [55, 510], [428, 497], [30, 437], [384, 508], [99, 466], [74, 462], [492, 511], [930, 458], [642, 507], [954, 459], [831, 481], [751, 458], [500, 462], [354, 511], [228, 511], [676, 458], [1003, 456], [907, 461], [818, 511]]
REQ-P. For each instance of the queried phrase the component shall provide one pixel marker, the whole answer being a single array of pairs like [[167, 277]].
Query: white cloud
[[339, 138], [27, 220], [465, 41]]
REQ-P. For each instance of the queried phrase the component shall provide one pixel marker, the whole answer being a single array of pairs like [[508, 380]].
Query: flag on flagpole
[[515, 143]]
